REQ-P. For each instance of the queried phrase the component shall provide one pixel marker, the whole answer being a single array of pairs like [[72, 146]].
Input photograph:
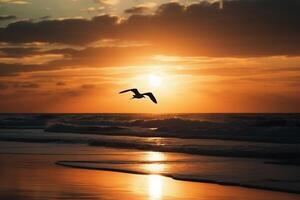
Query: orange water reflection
[[155, 185], [155, 156], [23, 179], [154, 159], [154, 168]]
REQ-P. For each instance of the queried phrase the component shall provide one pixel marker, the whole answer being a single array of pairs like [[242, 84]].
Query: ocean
[[249, 150]]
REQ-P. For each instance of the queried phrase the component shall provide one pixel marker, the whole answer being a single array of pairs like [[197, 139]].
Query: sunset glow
[[179, 50], [155, 80], [149, 100]]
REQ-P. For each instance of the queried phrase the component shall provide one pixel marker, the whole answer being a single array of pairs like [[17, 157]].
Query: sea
[[249, 150]]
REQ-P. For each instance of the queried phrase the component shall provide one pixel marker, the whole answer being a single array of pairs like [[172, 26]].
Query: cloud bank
[[242, 28]]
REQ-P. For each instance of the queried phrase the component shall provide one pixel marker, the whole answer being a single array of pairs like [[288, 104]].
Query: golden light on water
[[154, 168], [155, 156], [155, 187]]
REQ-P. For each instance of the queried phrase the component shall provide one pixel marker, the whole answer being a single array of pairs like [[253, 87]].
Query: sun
[[154, 80]]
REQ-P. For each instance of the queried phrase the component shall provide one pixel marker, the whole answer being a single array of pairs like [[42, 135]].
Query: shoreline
[[31, 173], [187, 179]]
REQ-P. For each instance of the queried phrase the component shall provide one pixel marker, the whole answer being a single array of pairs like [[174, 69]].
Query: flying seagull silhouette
[[138, 95]]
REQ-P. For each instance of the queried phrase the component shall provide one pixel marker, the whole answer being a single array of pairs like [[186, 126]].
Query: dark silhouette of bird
[[138, 95]]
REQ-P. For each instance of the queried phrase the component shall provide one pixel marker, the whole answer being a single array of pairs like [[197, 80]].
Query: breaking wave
[[275, 136]]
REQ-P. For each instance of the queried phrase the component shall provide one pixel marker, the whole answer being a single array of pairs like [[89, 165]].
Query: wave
[[273, 128], [274, 136], [248, 151], [283, 152], [71, 128], [119, 167], [185, 128]]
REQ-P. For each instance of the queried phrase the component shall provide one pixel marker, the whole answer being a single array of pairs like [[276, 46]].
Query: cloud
[[106, 56], [137, 10], [68, 31], [243, 28], [108, 2], [60, 83], [14, 1], [7, 17], [143, 8], [14, 69], [26, 85], [3, 86], [32, 59], [78, 91], [88, 86], [17, 52], [45, 17], [93, 9], [72, 58]]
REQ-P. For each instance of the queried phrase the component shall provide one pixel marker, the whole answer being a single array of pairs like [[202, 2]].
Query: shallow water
[[28, 172], [228, 171], [40, 180]]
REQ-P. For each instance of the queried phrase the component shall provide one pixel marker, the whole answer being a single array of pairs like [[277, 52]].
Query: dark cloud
[[60, 83], [72, 93], [75, 92], [242, 28], [137, 10], [88, 86], [70, 31], [172, 9], [14, 69], [18, 85], [7, 17], [88, 57], [3, 86], [106, 56], [45, 17], [19, 51], [30, 85]]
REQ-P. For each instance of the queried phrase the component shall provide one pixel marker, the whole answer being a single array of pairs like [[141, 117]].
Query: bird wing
[[134, 90], [151, 96]]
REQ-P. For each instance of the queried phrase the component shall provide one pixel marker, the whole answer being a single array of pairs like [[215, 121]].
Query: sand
[[37, 177]]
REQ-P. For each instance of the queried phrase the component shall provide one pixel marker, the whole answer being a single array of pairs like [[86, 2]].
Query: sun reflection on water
[[155, 156], [155, 187], [154, 168], [154, 159]]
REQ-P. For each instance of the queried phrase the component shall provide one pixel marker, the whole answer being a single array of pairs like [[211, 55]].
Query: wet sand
[[33, 177]]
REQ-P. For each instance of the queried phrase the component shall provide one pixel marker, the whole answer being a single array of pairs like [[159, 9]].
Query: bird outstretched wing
[[134, 90], [151, 96]]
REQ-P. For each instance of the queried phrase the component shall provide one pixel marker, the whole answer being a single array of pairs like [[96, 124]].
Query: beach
[[34, 175]]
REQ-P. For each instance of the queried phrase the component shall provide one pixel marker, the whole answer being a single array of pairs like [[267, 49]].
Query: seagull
[[138, 95]]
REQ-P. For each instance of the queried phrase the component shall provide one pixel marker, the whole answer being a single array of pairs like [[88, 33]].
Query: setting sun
[[154, 80]]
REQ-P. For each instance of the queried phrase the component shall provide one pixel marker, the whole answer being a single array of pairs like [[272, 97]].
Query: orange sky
[[194, 58]]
